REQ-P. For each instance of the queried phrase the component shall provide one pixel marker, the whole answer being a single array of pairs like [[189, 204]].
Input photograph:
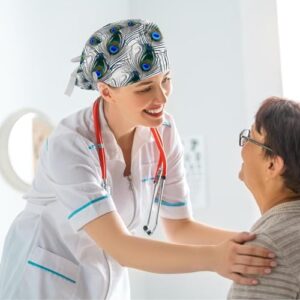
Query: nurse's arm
[[188, 231], [110, 234]]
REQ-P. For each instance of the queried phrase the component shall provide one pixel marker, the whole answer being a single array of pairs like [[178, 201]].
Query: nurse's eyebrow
[[149, 81], [143, 83]]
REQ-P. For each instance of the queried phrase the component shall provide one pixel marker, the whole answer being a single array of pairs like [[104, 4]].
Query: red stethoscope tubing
[[162, 163], [100, 145], [162, 157]]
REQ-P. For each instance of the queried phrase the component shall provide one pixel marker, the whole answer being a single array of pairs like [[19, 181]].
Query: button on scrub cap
[[120, 54]]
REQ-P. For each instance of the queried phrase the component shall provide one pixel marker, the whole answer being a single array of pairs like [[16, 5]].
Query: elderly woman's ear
[[275, 166]]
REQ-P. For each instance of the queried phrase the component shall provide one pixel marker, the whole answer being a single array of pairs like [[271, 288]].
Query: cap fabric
[[120, 54]]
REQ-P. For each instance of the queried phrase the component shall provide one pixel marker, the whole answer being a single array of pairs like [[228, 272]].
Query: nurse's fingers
[[255, 261], [239, 279], [255, 251], [248, 270]]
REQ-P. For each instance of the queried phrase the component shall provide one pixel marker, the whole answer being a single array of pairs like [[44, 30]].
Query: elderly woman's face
[[254, 163]]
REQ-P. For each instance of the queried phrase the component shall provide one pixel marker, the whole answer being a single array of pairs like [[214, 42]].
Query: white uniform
[[47, 255]]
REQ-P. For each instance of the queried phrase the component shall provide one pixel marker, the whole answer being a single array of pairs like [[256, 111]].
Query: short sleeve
[[74, 174], [176, 197], [280, 284]]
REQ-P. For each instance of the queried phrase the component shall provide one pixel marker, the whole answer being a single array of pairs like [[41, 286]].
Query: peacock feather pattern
[[122, 53]]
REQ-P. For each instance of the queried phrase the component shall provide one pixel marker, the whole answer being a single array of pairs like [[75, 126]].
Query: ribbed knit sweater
[[278, 230]]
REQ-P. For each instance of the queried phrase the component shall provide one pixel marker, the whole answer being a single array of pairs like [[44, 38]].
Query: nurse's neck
[[122, 130]]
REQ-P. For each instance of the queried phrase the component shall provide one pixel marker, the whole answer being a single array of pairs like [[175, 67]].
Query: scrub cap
[[120, 54]]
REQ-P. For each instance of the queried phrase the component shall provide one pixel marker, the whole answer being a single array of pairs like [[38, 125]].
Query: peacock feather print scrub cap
[[120, 54]]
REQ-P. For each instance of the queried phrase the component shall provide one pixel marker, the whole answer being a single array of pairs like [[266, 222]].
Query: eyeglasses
[[245, 137]]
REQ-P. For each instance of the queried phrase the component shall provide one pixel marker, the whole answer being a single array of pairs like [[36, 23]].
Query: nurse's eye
[[145, 90]]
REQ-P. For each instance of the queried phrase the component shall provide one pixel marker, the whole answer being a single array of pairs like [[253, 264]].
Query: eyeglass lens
[[244, 135]]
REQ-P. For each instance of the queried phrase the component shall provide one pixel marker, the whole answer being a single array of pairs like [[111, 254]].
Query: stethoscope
[[161, 169]]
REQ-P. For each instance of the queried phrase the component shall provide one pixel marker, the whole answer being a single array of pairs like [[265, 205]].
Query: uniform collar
[[113, 151]]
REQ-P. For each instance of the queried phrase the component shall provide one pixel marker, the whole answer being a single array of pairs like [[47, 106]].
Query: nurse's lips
[[155, 112]]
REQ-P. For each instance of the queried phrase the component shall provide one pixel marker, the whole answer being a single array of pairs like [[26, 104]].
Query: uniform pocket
[[52, 276]]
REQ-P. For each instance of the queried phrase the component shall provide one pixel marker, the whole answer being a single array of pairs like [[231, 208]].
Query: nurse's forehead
[[150, 80]]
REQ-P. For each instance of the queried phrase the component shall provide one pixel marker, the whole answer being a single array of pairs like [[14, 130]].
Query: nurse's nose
[[161, 96]]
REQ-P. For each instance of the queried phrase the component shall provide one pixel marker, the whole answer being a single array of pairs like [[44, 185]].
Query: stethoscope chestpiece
[[157, 197]]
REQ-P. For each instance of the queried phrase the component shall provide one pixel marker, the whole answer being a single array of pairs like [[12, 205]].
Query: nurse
[[94, 184]]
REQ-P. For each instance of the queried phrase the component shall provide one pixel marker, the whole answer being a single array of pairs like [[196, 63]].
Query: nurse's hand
[[235, 260]]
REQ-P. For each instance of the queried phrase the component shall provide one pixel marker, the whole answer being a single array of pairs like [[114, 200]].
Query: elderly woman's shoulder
[[280, 228]]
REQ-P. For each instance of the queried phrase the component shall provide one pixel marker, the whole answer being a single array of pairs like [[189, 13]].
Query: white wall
[[261, 58], [288, 27], [224, 56]]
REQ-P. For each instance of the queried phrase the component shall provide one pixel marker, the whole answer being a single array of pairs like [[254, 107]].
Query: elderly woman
[[271, 171]]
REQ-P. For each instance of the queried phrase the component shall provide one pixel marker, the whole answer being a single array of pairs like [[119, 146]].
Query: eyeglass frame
[[249, 139]]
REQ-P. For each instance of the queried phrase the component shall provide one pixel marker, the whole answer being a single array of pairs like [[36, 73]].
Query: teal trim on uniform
[[94, 146], [166, 123], [147, 179], [172, 204], [86, 205], [51, 271]]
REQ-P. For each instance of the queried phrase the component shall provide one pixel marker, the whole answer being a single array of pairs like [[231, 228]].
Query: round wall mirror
[[21, 137]]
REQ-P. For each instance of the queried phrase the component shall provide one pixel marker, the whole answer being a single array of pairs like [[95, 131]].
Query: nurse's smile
[[155, 112]]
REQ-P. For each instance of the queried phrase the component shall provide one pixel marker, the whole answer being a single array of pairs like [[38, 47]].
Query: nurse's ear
[[105, 91]]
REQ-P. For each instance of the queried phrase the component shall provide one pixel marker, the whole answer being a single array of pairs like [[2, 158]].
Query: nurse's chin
[[151, 121]]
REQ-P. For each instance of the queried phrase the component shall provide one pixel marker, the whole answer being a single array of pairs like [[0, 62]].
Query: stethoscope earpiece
[[147, 230]]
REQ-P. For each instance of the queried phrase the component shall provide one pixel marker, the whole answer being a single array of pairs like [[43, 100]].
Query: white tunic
[[47, 255]]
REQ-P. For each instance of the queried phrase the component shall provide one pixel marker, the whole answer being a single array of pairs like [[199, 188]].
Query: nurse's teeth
[[154, 111]]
